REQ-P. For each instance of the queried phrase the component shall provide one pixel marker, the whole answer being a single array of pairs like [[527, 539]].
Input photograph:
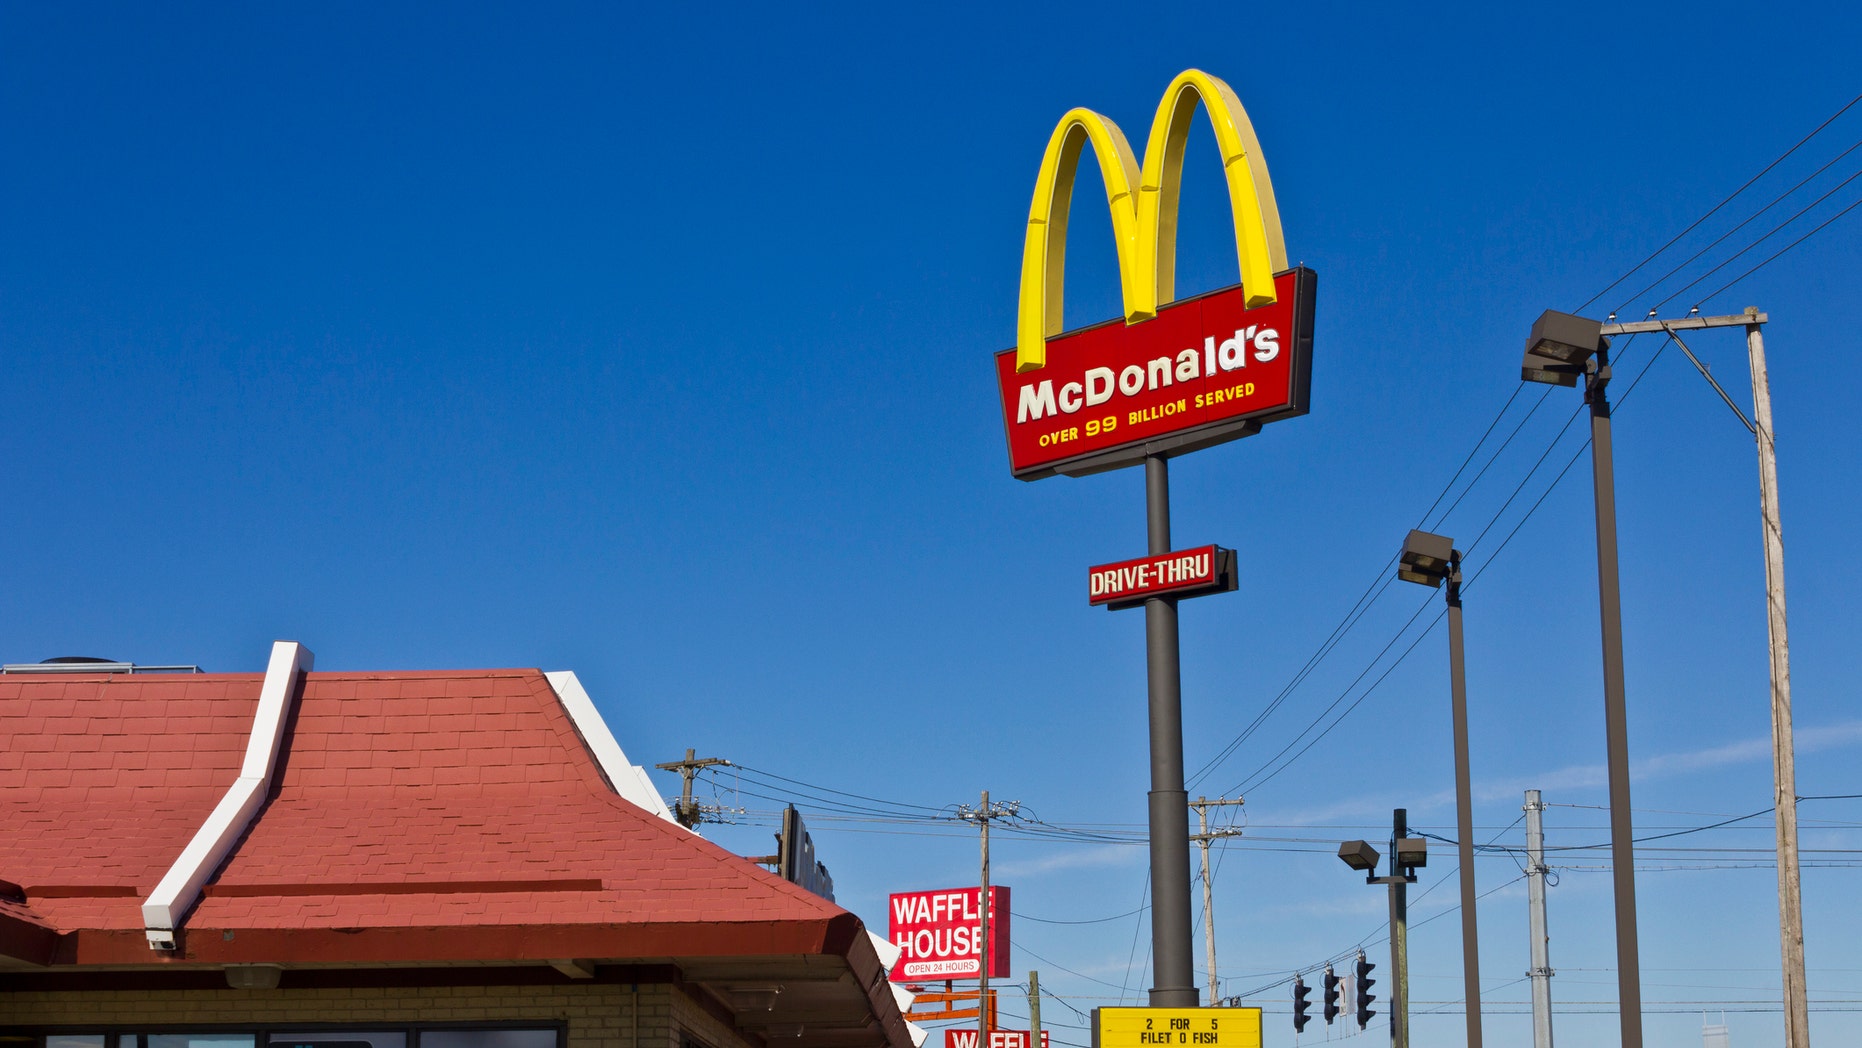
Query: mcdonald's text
[[1196, 374]]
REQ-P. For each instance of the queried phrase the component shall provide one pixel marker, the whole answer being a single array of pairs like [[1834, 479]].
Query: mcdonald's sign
[[1171, 376]]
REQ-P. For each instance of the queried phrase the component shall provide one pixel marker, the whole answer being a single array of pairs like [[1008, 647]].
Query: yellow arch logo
[[1145, 222]]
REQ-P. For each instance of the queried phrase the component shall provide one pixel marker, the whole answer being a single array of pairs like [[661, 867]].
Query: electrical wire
[[1358, 609], [1723, 287], [1749, 219], [1767, 236], [1715, 209], [1096, 920], [1446, 488]]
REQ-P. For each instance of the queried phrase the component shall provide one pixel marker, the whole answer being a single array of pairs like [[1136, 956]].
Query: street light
[[1406, 854], [1359, 856], [1560, 348], [1432, 560]]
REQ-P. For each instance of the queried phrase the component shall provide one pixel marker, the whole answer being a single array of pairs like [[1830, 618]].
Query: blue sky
[[657, 345]]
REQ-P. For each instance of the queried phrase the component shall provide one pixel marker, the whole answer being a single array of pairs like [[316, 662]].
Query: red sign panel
[[939, 934], [1181, 573], [966, 1038], [1203, 371]]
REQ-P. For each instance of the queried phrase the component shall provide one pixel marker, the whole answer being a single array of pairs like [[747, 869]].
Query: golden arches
[[1145, 223]]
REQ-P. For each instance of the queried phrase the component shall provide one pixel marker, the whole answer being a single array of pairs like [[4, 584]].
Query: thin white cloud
[[1072, 859], [1367, 808], [1670, 765]]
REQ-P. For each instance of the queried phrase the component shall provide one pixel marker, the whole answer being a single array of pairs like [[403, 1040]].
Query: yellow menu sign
[[1176, 1028]]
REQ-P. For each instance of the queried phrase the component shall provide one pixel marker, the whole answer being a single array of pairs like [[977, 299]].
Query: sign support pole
[[1171, 948]]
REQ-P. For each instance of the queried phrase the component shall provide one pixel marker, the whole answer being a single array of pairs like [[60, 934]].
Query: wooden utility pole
[[1784, 766], [983, 815], [1541, 971], [1202, 838], [982, 907], [1034, 1010], [687, 812]]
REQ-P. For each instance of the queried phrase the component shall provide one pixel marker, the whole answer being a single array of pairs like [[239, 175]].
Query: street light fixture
[[1426, 558], [1406, 855], [1431, 560], [1565, 338], [1359, 856], [1560, 348]]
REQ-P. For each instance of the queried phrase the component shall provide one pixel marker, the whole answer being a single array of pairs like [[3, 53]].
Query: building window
[[336, 1039], [194, 1040], [488, 1039]]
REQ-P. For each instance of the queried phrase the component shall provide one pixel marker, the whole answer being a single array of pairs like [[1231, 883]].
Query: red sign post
[[939, 934], [1203, 371]]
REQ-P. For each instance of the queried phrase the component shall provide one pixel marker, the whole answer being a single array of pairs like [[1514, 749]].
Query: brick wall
[[598, 1015]]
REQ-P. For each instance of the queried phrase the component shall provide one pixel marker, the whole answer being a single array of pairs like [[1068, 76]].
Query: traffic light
[[1365, 982], [1331, 995], [1301, 1005]]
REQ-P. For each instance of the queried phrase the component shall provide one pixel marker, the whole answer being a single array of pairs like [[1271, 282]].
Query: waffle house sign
[[1169, 376]]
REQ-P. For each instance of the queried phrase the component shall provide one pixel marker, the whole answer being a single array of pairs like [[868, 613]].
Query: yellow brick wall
[[598, 1015]]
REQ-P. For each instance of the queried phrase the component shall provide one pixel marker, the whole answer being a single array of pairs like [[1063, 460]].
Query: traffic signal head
[[1365, 997], [1331, 995], [1301, 1006]]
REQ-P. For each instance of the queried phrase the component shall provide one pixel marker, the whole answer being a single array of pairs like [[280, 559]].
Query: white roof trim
[[888, 951], [628, 780], [180, 887]]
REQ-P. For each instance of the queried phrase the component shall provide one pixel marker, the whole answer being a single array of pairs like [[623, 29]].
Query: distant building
[[456, 859]]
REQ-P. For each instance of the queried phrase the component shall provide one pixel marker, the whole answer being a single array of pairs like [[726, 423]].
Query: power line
[[1423, 523], [1766, 236], [1253, 783], [1715, 209], [1356, 613], [1096, 920], [1749, 219], [1716, 291]]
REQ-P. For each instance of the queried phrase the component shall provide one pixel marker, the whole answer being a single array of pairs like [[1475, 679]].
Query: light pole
[[1432, 560], [1407, 854], [1560, 349]]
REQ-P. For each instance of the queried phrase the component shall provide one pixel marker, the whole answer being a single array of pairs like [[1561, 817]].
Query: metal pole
[[1202, 841], [1541, 972], [1034, 1010], [1171, 947], [1615, 717], [1399, 936], [1784, 768], [982, 905], [1464, 808]]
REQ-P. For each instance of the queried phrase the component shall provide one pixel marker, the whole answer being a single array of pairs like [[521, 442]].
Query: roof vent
[[89, 664]]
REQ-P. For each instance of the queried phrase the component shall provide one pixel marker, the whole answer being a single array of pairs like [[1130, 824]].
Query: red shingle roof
[[416, 817]]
